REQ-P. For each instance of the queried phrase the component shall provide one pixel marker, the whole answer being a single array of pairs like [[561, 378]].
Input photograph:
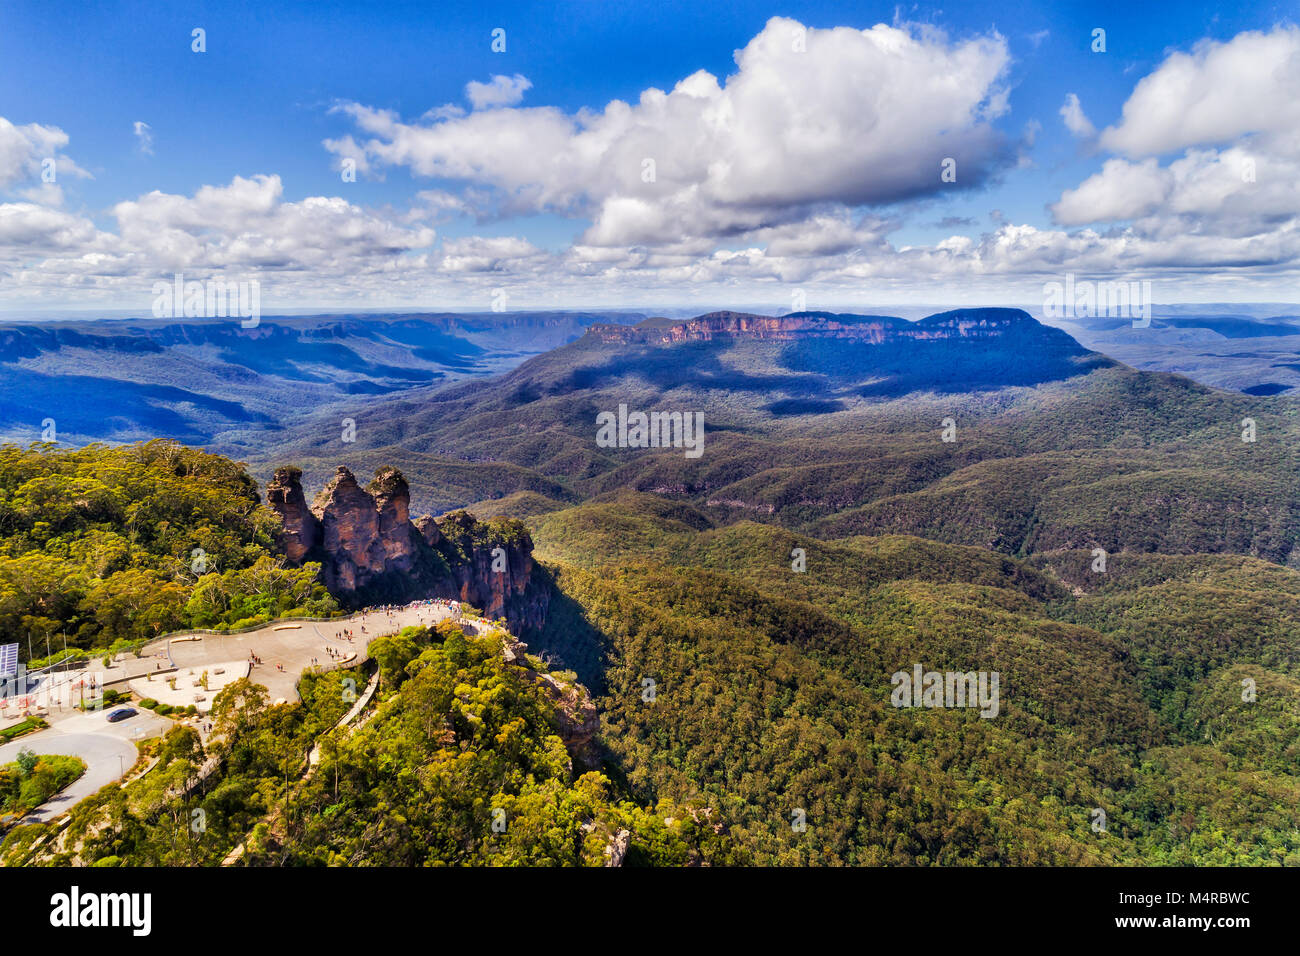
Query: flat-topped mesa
[[875, 329], [301, 531], [371, 552]]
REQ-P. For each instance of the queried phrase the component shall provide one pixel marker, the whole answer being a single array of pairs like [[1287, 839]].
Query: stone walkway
[[284, 650]]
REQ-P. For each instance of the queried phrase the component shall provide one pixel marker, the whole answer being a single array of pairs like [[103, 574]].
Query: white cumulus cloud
[[854, 117], [1076, 121], [1215, 94], [499, 91], [1233, 110], [26, 152]]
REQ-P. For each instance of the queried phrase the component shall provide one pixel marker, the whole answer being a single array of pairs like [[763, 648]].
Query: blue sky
[[559, 215]]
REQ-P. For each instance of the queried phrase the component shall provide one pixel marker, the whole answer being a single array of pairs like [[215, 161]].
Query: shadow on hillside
[[569, 641]]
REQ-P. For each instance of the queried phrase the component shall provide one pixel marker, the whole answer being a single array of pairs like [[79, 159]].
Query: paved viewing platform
[[276, 655]]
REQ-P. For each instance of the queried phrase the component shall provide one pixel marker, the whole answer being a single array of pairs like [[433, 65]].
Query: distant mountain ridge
[[834, 425], [213, 382], [1254, 352], [877, 329]]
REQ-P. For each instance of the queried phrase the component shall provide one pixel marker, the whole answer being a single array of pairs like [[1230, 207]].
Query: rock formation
[[349, 521], [397, 536], [301, 530], [616, 851], [428, 529], [495, 570], [576, 717], [371, 552]]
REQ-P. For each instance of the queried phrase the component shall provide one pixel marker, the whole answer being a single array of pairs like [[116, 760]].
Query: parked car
[[122, 713]]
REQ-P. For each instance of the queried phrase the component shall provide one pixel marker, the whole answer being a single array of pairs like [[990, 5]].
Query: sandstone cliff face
[[397, 536], [371, 552], [428, 529], [350, 533], [301, 532], [874, 329], [497, 568]]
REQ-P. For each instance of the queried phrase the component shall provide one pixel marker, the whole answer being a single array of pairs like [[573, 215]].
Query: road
[[108, 750]]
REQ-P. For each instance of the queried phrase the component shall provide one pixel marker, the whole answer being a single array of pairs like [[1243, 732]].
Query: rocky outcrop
[[371, 552], [616, 850], [428, 529], [350, 538], [397, 536], [576, 717], [495, 571], [301, 530]]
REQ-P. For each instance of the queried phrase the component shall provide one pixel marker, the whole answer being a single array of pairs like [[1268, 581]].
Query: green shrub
[[31, 780], [25, 727], [250, 622], [27, 761], [58, 657]]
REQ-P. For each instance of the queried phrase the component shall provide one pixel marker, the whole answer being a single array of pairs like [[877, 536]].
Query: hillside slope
[[837, 425], [772, 691]]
